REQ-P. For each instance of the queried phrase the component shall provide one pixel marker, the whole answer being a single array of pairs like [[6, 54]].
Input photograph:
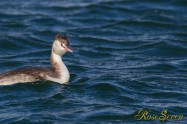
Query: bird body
[[57, 73]]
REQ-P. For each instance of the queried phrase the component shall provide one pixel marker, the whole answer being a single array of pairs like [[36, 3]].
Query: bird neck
[[59, 67]]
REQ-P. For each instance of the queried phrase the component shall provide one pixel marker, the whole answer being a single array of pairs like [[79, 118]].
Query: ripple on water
[[128, 55]]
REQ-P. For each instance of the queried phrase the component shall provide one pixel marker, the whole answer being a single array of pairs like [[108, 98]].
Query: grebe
[[58, 72]]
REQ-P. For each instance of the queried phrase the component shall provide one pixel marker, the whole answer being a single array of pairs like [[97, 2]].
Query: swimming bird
[[57, 73]]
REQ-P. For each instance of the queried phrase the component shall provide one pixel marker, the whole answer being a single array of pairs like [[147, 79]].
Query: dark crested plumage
[[63, 39]]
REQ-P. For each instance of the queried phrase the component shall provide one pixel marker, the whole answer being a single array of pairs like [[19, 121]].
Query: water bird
[[57, 73]]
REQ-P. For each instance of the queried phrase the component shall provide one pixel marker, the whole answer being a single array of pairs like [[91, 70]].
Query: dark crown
[[63, 38]]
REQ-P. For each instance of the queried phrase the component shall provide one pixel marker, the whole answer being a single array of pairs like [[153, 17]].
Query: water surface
[[128, 55]]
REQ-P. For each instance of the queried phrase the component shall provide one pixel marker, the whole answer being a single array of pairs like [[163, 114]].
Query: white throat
[[59, 68]]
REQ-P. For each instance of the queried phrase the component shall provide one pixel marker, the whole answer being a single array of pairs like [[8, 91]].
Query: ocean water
[[129, 55]]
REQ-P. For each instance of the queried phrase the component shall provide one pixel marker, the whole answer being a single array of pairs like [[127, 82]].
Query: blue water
[[128, 55]]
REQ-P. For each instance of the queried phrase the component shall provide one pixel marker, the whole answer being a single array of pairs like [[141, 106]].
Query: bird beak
[[68, 48]]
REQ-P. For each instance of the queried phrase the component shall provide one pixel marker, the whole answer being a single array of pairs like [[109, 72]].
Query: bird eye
[[63, 45]]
